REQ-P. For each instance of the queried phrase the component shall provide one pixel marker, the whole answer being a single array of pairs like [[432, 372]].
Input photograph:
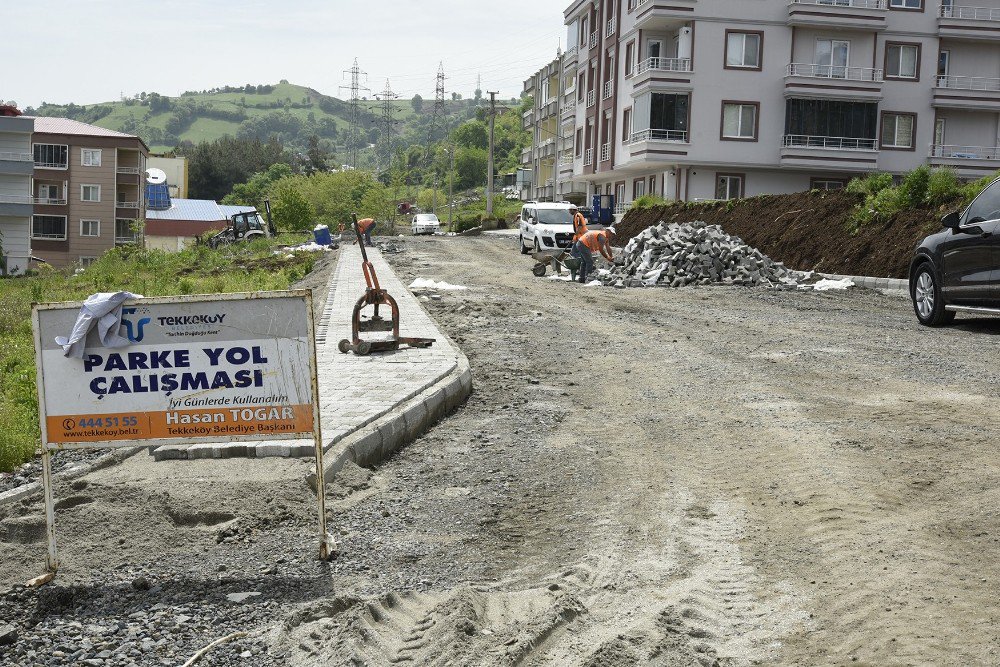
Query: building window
[[90, 157], [579, 142], [917, 5], [728, 186], [87, 261], [898, 130], [638, 188], [827, 184], [125, 231], [90, 228], [48, 193], [51, 156], [91, 193], [832, 118], [739, 121], [902, 61], [743, 50], [48, 227], [627, 125], [629, 57], [652, 185]]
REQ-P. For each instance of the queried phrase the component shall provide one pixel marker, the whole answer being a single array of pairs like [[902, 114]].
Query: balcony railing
[[594, 37], [659, 135], [16, 157], [127, 204], [49, 201], [968, 83], [52, 165], [15, 199], [664, 65], [834, 72], [605, 152], [566, 158], [591, 98], [611, 27], [970, 13], [833, 143], [127, 170], [126, 240], [622, 207], [570, 52], [588, 157], [853, 4], [609, 89], [966, 152]]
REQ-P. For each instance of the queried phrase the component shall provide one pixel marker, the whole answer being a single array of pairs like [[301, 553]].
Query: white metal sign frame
[[114, 428]]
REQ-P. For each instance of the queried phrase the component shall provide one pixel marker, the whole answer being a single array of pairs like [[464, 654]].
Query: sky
[[88, 51]]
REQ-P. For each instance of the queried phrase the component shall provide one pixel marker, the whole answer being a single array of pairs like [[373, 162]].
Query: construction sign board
[[194, 369]]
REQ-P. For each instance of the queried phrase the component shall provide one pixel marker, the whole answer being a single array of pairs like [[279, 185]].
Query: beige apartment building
[[15, 190], [715, 99], [88, 190]]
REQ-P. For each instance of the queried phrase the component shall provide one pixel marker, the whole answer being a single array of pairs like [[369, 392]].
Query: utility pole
[[489, 167], [355, 119]]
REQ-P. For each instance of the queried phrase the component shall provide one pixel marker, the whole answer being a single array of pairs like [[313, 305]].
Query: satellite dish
[[155, 176]]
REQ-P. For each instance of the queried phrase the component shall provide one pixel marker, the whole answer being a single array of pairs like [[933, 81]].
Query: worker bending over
[[596, 241], [579, 223], [366, 227]]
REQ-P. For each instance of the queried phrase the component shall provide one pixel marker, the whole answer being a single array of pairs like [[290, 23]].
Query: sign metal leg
[[52, 560]]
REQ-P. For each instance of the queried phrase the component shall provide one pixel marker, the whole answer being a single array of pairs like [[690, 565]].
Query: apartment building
[[715, 99], [88, 190], [15, 190]]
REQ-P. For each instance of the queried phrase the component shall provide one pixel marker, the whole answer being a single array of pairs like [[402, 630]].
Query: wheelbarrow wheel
[[344, 346], [364, 348], [539, 270]]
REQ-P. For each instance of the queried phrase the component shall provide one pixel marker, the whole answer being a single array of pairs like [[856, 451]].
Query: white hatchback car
[[545, 226], [425, 223]]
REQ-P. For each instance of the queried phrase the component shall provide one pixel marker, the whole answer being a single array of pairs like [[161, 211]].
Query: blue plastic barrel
[[322, 234]]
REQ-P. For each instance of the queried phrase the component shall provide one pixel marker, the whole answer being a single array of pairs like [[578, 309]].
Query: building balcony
[[52, 165], [16, 164], [16, 199], [526, 156], [647, 148], [663, 15], [969, 23], [672, 74], [591, 98], [609, 90], [611, 27], [568, 111], [843, 153], [529, 86], [571, 55], [833, 82], [852, 14], [588, 157], [548, 108], [48, 201], [605, 152], [973, 161], [595, 38], [547, 149], [967, 92], [127, 204]]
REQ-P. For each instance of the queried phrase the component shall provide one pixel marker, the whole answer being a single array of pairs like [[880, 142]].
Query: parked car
[[425, 223], [544, 226], [958, 268]]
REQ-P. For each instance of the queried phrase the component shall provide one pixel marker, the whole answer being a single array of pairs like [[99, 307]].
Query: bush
[[648, 201], [914, 186], [870, 185], [942, 186]]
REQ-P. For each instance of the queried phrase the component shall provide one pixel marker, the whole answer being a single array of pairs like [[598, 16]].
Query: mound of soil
[[806, 231]]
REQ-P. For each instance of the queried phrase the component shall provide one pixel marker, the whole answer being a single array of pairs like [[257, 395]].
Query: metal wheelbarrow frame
[[558, 259]]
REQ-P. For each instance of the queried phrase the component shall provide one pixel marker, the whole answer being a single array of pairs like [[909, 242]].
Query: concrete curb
[[377, 441], [892, 285], [106, 461]]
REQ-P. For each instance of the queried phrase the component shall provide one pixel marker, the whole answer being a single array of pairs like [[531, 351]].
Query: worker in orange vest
[[579, 223], [595, 241], [366, 227]]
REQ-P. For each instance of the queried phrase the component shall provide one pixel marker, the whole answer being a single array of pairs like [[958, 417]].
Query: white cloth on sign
[[104, 309]]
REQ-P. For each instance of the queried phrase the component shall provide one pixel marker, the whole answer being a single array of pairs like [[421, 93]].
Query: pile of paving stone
[[696, 253]]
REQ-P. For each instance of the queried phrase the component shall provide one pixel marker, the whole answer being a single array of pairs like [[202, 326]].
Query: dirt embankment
[[806, 231]]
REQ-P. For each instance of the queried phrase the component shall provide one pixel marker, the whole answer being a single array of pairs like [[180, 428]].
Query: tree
[[418, 103], [472, 134], [214, 168], [291, 210], [317, 158], [470, 167]]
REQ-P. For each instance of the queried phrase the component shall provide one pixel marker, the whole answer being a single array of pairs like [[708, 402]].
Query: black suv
[[958, 269]]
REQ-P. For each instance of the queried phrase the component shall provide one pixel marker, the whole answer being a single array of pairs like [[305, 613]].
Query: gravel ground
[[642, 477]]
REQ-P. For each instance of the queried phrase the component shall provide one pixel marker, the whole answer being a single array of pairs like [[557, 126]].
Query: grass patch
[[199, 270]]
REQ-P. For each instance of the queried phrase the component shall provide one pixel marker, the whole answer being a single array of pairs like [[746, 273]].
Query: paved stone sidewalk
[[356, 392]]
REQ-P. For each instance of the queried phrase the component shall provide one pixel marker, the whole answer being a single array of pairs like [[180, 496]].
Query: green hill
[[289, 112]]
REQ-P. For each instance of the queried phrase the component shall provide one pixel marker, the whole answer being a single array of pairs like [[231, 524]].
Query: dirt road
[[641, 477]]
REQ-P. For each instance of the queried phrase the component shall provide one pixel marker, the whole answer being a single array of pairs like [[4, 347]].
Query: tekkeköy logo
[[135, 334]]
